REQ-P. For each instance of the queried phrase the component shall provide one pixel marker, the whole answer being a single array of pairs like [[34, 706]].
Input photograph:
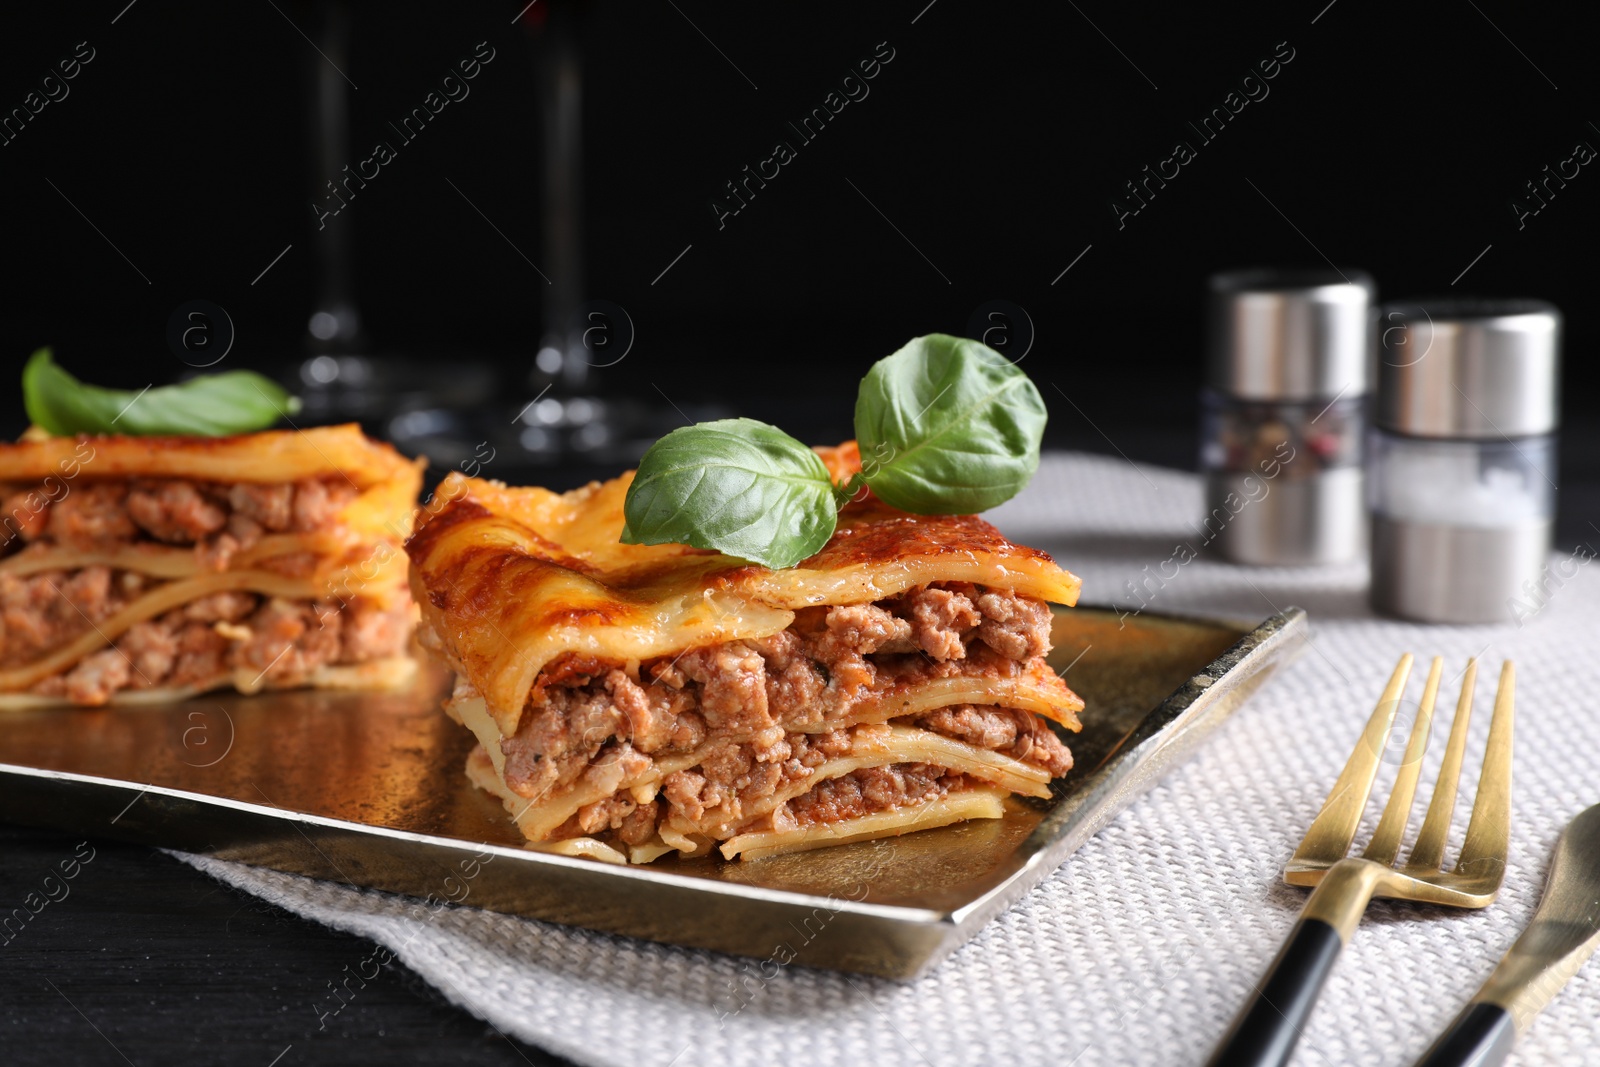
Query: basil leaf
[[948, 426], [211, 405], [735, 485]]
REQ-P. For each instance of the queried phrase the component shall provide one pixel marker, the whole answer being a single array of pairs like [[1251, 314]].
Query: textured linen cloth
[[1140, 948]]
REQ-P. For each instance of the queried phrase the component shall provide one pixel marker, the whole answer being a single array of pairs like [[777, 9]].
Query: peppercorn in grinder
[[1283, 415]]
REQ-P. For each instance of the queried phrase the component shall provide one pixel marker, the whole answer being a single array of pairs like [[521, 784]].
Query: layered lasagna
[[140, 569], [630, 700]]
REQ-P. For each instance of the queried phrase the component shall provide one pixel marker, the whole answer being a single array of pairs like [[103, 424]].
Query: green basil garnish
[[736, 485], [211, 405], [946, 426]]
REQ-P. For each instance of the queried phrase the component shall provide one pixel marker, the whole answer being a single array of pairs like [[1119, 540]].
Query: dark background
[[982, 164], [994, 142]]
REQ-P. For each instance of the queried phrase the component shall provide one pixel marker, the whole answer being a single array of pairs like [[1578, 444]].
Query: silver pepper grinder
[[1283, 415], [1463, 458]]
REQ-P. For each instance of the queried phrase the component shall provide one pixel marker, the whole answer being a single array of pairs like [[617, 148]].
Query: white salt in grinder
[[1462, 458]]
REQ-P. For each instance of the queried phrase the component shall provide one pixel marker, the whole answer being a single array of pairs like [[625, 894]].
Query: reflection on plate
[[368, 789]]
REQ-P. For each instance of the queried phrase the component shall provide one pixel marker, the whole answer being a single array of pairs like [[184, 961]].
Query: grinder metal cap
[[1296, 335], [1469, 369]]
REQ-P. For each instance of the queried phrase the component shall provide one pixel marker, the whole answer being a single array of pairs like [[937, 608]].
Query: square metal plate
[[368, 789]]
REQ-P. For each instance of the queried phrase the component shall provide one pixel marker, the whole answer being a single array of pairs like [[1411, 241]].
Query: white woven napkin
[[1142, 946]]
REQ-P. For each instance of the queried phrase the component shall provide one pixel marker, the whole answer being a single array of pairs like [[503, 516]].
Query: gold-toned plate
[[368, 789]]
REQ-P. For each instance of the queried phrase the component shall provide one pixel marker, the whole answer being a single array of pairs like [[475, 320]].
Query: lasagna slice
[[144, 569], [633, 700]]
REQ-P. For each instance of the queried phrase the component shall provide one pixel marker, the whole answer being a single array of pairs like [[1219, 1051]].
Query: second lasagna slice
[[149, 569], [636, 700]]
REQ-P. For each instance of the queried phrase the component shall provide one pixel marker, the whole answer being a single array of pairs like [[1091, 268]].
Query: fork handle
[[1266, 1030], [1481, 1036]]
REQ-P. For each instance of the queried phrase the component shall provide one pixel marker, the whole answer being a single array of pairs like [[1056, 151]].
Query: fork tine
[[1385, 843], [1428, 853], [1489, 833], [1333, 830]]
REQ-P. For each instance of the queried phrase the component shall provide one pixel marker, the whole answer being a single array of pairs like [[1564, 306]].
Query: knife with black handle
[[1564, 932]]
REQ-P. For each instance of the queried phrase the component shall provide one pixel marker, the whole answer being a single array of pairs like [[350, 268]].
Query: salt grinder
[[1283, 415], [1462, 464]]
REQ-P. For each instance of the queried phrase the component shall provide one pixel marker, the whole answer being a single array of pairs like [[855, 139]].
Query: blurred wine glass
[[548, 408]]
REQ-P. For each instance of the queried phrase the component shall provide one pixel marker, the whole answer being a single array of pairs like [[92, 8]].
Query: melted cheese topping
[[509, 579], [266, 457]]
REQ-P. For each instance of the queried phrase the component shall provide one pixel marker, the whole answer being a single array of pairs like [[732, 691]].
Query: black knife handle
[[1266, 1030], [1481, 1036]]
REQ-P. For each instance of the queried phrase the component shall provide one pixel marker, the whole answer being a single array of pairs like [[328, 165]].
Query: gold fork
[[1266, 1030]]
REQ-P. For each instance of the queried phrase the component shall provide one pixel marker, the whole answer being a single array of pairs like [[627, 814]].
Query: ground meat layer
[[866, 791], [593, 726], [817, 670], [737, 781], [279, 641], [714, 806], [282, 641], [1011, 731], [217, 518]]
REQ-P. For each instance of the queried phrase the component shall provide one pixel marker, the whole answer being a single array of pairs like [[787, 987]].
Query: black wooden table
[[141, 959]]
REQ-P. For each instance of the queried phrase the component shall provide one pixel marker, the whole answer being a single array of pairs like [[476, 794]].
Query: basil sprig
[[948, 426], [735, 485], [945, 425], [211, 405]]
